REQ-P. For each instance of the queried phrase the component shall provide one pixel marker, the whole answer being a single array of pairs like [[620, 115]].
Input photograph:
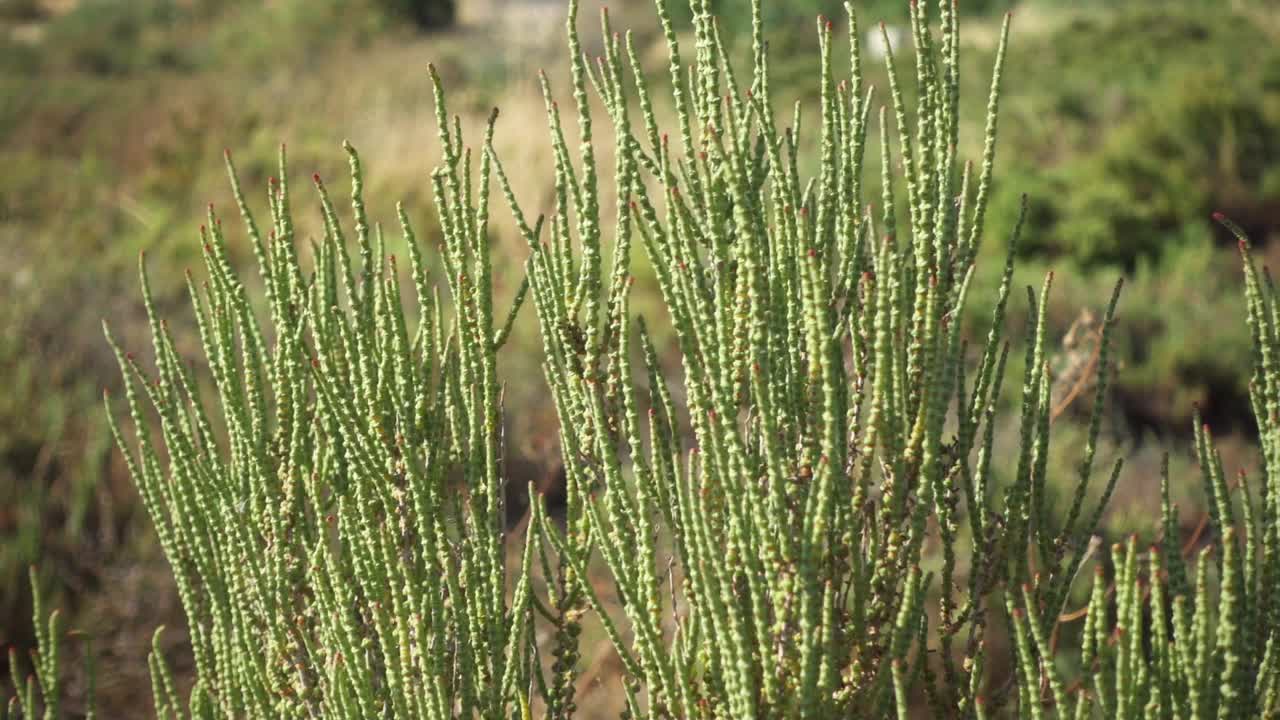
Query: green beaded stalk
[[40, 694], [330, 496], [1194, 640], [831, 421]]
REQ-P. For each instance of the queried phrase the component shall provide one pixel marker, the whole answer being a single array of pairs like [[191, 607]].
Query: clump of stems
[[813, 522], [39, 695], [333, 510], [1184, 631]]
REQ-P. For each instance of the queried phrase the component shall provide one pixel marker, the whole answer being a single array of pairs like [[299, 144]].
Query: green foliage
[[48, 495], [101, 37], [26, 703], [99, 166], [1183, 355], [1173, 352], [816, 520], [824, 445], [734, 16], [1184, 637], [822, 356], [427, 14], [1206, 143], [1188, 102], [108, 39], [333, 514]]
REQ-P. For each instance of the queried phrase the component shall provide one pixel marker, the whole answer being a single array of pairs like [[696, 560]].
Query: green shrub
[[1207, 142], [427, 14], [42, 689], [822, 353], [1181, 637], [815, 521], [822, 356], [1166, 116], [324, 557], [100, 37], [52, 457]]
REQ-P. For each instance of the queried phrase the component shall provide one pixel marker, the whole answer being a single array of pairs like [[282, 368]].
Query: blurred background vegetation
[[1127, 123]]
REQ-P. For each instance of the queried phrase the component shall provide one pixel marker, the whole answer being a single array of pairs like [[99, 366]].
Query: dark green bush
[[1165, 117], [1203, 144], [427, 14]]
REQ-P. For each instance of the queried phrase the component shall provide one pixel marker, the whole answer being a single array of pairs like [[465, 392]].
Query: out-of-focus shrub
[[1192, 125], [1205, 144], [427, 14], [21, 10], [112, 38]]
